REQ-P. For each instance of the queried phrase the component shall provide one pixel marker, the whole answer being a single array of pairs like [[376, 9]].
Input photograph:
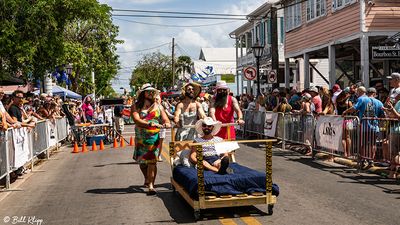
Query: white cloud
[[192, 38]]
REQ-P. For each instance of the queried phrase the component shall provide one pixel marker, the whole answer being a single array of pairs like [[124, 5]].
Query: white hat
[[394, 76], [313, 89], [221, 85], [147, 87], [276, 90], [396, 92], [208, 121]]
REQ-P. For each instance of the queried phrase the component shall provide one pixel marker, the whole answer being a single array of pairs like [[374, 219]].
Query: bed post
[[171, 154], [200, 174], [268, 172]]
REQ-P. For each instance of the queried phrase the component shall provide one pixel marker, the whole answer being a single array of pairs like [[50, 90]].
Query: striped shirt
[[209, 150]]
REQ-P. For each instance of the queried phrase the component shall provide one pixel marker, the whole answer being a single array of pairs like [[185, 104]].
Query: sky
[[188, 40]]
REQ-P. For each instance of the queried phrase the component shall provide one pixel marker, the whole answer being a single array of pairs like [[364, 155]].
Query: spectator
[[273, 100], [343, 102], [283, 106], [15, 110], [87, 110], [316, 99], [327, 105], [393, 111], [394, 83]]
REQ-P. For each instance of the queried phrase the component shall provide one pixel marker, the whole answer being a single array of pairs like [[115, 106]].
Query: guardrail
[[21, 146], [371, 139]]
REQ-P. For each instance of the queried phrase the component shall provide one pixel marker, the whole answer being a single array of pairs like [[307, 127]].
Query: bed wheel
[[270, 209], [197, 215]]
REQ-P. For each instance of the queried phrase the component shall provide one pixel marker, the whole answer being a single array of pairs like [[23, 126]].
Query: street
[[105, 187]]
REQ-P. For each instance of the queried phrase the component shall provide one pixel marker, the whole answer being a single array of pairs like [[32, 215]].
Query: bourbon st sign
[[386, 52]]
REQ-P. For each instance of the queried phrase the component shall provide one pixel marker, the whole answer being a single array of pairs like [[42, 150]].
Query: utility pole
[[173, 62], [274, 46]]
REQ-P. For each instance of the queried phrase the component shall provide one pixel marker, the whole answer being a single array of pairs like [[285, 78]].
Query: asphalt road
[[105, 187]]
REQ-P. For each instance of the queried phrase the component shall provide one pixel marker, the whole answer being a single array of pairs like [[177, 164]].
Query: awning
[[57, 90]]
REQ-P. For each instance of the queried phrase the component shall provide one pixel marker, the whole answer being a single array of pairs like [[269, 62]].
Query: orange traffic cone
[[131, 141], [115, 144], [122, 144], [76, 148], [94, 146], [84, 148], [101, 145]]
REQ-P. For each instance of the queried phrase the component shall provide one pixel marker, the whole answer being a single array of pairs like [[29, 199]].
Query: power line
[[142, 50], [171, 12], [179, 17], [172, 25]]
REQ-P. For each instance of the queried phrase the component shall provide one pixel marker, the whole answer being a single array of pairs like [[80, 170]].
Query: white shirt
[[2, 109]]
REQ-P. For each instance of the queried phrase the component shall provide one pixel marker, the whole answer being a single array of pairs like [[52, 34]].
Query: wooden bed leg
[[268, 167], [197, 214]]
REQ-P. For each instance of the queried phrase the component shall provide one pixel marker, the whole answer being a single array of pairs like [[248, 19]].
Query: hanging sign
[[386, 52], [250, 73]]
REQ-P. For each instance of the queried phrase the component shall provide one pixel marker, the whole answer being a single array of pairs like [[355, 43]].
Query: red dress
[[225, 115]]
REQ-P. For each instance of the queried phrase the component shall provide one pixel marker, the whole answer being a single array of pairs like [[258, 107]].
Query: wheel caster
[[270, 209], [196, 215]]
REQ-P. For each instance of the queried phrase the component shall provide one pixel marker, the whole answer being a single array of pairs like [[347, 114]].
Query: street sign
[[272, 77], [250, 73], [386, 52]]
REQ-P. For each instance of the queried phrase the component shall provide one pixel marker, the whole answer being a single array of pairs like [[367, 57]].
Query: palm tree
[[184, 65]]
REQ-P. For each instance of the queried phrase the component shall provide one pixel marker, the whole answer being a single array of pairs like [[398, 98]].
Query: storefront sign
[[386, 52]]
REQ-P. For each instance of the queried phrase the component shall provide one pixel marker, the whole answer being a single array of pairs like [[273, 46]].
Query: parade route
[[105, 187]]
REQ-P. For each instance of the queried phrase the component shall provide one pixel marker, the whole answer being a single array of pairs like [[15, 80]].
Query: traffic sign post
[[272, 77], [250, 73]]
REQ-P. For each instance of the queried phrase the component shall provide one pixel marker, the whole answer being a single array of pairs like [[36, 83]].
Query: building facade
[[352, 35]]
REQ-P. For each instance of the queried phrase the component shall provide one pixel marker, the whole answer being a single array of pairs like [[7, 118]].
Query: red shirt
[[225, 115]]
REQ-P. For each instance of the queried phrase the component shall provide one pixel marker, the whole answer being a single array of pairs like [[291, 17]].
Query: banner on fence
[[21, 147], [270, 124], [329, 132]]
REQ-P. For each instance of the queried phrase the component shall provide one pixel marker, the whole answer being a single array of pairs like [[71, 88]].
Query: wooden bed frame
[[207, 202]]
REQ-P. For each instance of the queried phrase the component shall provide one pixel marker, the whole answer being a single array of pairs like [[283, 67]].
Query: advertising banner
[[328, 133], [270, 124]]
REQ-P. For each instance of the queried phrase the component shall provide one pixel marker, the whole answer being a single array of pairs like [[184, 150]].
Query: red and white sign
[[250, 73], [272, 78]]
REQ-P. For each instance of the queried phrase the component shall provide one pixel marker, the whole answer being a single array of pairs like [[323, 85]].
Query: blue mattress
[[243, 180]]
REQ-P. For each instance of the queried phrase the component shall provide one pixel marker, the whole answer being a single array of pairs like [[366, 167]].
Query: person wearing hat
[[188, 111], [392, 110], [394, 83], [223, 107], [207, 128], [316, 99], [149, 117]]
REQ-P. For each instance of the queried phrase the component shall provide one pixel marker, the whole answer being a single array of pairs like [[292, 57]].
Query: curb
[[352, 164]]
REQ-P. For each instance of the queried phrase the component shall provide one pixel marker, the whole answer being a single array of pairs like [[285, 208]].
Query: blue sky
[[189, 39]]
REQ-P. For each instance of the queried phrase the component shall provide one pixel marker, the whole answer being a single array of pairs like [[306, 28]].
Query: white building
[[216, 64], [258, 28]]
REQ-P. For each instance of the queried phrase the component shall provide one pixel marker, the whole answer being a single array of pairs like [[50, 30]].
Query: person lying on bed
[[207, 128]]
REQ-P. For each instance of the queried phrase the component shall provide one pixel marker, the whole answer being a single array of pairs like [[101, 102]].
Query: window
[[338, 4], [293, 14], [315, 9]]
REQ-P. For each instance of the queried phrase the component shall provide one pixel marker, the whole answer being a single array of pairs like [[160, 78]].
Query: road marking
[[227, 221], [250, 220], [165, 153]]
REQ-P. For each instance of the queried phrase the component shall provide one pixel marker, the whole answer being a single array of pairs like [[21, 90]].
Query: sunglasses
[[221, 90], [205, 125]]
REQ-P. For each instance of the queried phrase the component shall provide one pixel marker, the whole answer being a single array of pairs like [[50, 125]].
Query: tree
[[184, 65], [36, 36], [154, 68]]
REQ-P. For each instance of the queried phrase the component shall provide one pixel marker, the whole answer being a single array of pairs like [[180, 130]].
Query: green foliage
[[184, 64], [154, 68], [36, 36]]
